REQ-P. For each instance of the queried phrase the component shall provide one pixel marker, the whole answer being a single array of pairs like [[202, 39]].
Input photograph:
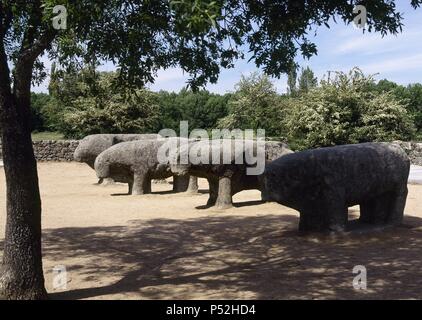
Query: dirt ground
[[168, 246]]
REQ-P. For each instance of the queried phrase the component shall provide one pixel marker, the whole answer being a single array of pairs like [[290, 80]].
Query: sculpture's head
[[91, 146], [268, 180], [282, 180], [80, 154], [102, 166], [105, 168], [117, 162]]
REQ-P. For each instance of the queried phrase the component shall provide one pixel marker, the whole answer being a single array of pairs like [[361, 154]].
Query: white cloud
[[368, 44], [361, 44], [403, 63]]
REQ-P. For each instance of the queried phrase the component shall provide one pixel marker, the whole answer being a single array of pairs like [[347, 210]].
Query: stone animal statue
[[91, 146], [136, 163], [322, 183], [226, 178]]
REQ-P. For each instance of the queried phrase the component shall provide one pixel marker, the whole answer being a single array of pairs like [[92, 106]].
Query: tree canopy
[[199, 36], [254, 105]]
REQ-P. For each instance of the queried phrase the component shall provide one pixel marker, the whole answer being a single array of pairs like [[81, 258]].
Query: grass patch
[[38, 136]]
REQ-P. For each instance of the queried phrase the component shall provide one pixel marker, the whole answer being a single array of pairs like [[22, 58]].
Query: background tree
[[170, 115], [140, 37], [345, 110], [71, 85], [384, 86], [87, 102], [201, 108], [255, 105], [38, 103], [292, 81], [137, 112], [411, 95], [307, 80], [91, 102]]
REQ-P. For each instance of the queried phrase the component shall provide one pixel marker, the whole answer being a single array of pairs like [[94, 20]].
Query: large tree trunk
[[21, 274]]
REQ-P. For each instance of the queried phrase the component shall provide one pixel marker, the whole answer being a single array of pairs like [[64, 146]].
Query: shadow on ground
[[236, 257]]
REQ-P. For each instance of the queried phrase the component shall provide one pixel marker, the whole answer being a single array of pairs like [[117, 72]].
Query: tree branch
[[30, 54], [25, 64], [5, 20], [33, 26]]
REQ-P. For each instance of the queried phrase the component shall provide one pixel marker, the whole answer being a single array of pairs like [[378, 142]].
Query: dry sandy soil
[[166, 246]]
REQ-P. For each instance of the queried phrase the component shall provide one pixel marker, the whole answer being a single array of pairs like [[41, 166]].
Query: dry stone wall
[[62, 150], [413, 150], [49, 150]]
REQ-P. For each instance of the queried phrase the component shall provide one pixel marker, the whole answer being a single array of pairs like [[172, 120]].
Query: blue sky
[[340, 48]]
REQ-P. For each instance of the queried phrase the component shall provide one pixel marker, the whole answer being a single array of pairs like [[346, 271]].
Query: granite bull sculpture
[[137, 163], [91, 146], [229, 175], [322, 183]]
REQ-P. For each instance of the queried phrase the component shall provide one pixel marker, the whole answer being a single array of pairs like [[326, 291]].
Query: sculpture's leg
[[309, 220], [398, 203], [180, 183], [193, 185], [264, 196], [376, 210], [107, 181], [261, 186], [338, 216], [213, 192], [147, 186], [224, 199], [323, 216], [141, 184]]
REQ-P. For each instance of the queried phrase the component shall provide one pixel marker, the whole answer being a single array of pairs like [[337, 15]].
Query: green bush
[[86, 102], [39, 101], [90, 102], [201, 109], [255, 105], [345, 110], [411, 95], [136, 113], [350, 108]]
